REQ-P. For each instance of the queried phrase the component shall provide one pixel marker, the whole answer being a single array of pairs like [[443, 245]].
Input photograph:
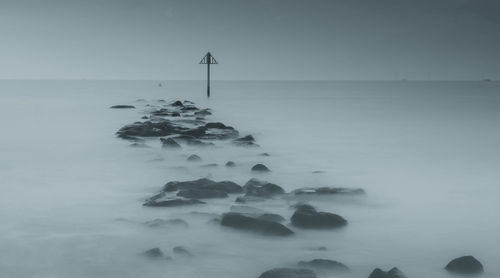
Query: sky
[[251, 40]]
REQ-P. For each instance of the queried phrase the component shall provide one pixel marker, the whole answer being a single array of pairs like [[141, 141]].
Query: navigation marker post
[[208, 60]]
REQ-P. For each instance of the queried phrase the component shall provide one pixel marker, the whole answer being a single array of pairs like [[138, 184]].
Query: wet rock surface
[[247, 223], [259, 188], [260, 168], [308, 217], [393, 273], [465, 265]]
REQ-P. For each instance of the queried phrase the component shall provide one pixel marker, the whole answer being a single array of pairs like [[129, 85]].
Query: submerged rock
[[230, 164], [169, 143], [225, 186], [121, 106], [393, 273], [247, 223], [148, 129], [202, 193], [288, 273], [247, 141], [258, 188], [257, 213], [260, 168], [173, 202], [164, 223], [465, 265], [179, 250], [325, 265], [327, 191], [154, 253], [307, 217], [194, 157]]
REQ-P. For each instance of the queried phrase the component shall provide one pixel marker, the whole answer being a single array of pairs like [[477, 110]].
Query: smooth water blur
[[425, 152]]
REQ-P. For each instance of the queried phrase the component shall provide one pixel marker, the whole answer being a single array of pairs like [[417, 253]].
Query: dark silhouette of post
[[208, 59]]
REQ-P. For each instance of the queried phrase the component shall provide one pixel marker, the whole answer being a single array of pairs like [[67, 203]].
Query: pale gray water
[[426, 153]]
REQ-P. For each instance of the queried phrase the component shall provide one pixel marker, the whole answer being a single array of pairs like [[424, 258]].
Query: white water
[[426, 153]]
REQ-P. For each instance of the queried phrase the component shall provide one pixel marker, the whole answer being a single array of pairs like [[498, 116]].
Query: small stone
[[230, 164], [260, 168], [193, 157], [121, 106]]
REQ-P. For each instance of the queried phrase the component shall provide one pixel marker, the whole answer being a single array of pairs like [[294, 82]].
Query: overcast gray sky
[[259, 39]]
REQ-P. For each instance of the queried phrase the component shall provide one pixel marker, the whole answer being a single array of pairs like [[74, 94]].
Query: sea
[[426, 153]]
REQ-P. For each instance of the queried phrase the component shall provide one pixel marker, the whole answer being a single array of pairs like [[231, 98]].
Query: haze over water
[[425, 152]]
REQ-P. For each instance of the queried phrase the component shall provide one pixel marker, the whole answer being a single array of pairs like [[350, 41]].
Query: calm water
[[426, 153]]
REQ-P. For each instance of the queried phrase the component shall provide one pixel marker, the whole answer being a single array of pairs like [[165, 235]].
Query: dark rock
[[145, 117], [328, 191], [307, 217], [243, 222], [247, 141], [189, 108], [257, 213], [192, 141], [154, 253], [195, 132], [203, 112], [172, 202], [194, 157], [288, 273], [169, 143], [202, 193], [465, 265], [217, 125], [323, 264], [230, 164], [225, 186], [163, 223], [260, 168], [255, 187], [210, 165], [122, 106], [177, 103], [249, 199], [148, 129], [179, 250], [393, 273]]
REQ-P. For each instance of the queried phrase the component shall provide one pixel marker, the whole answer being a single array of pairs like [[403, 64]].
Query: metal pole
[[208, 78]]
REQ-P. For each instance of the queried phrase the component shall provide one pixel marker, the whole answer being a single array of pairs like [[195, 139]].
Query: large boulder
[[324, 265], [307, 217], [465, 265], [288, 273], [247, 223], [393, 273], [258, 188]]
